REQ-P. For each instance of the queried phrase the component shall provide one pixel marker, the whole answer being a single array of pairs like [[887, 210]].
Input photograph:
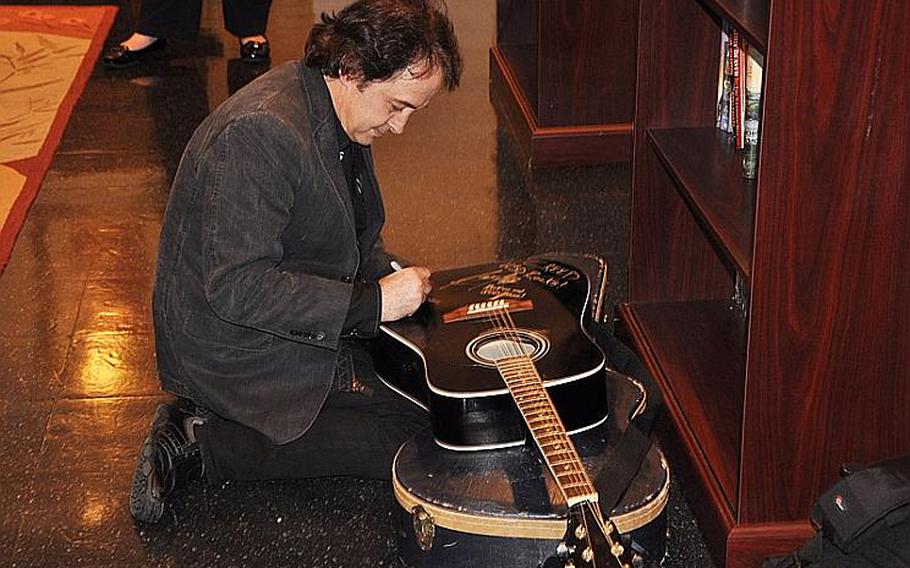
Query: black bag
[[863, 522]]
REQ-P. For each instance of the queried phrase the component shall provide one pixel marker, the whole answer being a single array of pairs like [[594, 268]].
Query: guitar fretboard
[[549, 433]]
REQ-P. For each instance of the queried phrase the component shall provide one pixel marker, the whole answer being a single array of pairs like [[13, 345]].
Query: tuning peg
[[588, 555], [580, 532]]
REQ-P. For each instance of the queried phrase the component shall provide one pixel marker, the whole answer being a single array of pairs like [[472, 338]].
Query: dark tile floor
[[77, 371]]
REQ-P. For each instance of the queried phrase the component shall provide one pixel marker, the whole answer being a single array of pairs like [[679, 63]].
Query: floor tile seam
[[125, 151], [71, 336], [125, 397], [144, 329], [58, 374], [70, 187], [19, 541]]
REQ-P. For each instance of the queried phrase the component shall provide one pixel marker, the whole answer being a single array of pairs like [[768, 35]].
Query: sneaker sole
[[144, 506]]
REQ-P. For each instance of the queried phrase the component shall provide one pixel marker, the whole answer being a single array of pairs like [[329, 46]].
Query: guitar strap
[[621, 466], [619, 469]]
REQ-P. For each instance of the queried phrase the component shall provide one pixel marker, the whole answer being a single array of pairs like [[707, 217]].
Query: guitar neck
[[561, 457], [527, 388]]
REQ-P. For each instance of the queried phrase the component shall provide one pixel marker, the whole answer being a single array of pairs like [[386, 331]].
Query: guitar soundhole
[[492, 346]]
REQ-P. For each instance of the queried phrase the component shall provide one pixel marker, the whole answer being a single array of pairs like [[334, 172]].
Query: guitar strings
[[502, 321], [506, 326]]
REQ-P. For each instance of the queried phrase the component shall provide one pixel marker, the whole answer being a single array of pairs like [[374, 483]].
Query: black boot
[[169, 459]]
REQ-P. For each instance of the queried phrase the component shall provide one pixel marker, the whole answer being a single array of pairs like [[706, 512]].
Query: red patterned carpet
[[46, 56]]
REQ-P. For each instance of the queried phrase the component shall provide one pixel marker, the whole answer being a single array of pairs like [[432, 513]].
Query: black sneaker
[[169, 459]]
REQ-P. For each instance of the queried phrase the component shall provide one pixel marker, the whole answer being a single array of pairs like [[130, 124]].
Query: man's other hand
[[403, 292]]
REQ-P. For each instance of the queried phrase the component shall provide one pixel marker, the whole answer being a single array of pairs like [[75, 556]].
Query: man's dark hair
[[373, 40]]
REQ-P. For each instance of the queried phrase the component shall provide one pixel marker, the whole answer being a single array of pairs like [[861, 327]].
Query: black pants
[[179, 19], [356, 434]]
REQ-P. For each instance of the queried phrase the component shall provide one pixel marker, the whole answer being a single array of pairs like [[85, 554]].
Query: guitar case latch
[[424, 527]]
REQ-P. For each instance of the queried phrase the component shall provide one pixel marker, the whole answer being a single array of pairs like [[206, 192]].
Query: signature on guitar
[[505, 281]]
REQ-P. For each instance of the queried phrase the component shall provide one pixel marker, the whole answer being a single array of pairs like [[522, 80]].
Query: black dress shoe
[[168, 460], [122, 56], [255, 51]]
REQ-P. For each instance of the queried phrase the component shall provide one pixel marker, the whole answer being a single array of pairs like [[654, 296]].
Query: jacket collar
[[322, 114], [319, 101]]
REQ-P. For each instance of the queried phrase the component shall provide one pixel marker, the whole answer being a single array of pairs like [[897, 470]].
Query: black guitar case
[[501, 508]]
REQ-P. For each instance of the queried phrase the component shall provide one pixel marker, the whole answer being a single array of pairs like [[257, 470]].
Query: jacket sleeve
[[365, 311], [378, 262], [254, 169]]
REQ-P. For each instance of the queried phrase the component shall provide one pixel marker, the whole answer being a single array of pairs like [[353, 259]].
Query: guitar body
[[503, 509], [446, 367]]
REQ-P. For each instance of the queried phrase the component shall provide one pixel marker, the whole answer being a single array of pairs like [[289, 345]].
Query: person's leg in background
[[170, 19], [159, 20]]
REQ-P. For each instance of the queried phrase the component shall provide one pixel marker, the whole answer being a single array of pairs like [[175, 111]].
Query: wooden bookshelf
[[765, 403], [562, 78]]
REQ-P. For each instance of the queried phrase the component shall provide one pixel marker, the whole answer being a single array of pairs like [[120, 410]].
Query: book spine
[[743, 86], [723, 92], [735, 99], [752, 121], [728, 81]]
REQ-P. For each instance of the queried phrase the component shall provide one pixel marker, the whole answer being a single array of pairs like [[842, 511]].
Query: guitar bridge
[[484, 309]]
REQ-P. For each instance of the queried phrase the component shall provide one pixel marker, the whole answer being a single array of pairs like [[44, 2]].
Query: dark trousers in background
[[356, 434], [179, 19]]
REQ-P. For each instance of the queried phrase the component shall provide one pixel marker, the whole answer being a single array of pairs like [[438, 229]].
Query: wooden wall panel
[[588, 74]]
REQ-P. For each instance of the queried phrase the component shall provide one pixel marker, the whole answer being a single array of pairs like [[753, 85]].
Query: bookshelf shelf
[[763, 402], [699, 353], [749, 16], [708, 174]]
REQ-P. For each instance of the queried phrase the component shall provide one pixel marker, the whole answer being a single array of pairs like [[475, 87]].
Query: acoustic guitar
[[450, 356], [500, 353]]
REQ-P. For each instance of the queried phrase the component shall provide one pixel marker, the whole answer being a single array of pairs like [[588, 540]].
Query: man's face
[[372, 110]]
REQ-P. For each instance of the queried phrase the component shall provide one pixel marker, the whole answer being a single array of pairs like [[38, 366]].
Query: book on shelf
[[736, 123], [752, 111], [724, 84], [754, 61], [739, 86]]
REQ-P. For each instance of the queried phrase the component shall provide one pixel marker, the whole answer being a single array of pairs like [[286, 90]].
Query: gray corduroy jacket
[[257, 256]]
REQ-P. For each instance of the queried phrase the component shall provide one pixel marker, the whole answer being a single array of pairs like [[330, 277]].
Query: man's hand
[[403, 292]]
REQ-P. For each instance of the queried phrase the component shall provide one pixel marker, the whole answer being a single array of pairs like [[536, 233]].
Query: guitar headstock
[[590, 542]]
